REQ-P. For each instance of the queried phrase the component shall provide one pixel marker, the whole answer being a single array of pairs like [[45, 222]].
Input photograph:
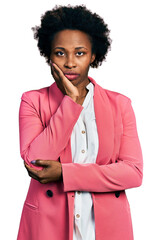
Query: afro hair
[[73, 18]]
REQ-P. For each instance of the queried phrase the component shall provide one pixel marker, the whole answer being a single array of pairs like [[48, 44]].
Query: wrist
[[75, 99]]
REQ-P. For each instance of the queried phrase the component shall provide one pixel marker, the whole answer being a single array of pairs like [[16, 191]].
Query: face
[[72, 52]]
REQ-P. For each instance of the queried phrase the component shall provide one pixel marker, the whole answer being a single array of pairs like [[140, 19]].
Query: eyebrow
[[75, 48]]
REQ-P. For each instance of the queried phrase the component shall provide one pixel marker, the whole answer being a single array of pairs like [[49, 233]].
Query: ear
[[93, 57]]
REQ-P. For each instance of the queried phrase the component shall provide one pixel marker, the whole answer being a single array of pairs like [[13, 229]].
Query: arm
[[39, 142], [125, 173]]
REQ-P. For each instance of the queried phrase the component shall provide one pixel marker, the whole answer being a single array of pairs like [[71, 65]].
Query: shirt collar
[[90, 87], [89, 95]]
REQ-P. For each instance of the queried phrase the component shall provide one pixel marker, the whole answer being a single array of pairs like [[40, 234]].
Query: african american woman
[[79, 141]]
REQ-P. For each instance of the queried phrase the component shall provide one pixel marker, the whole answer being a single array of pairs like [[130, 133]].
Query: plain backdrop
[[131, 68]]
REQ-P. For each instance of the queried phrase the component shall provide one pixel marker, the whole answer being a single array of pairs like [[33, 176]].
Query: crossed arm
[[47, 143]]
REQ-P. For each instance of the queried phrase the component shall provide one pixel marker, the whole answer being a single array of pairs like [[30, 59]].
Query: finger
[[31, 169], [37, 175], [33, 176], [57, 78], [43, 163], [55, 69], [59, 71], [54, 73], [26, 165], [29, 172]]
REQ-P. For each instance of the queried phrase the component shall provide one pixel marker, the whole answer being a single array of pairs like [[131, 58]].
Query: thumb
[[40, 163]]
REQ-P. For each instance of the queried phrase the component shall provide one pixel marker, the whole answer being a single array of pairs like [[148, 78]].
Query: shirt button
[[77, 216], [83, 151], [79, 192], [83, 131]]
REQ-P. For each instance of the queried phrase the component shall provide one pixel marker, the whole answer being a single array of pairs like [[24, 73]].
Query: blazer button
[[49, 193], [117, 194]]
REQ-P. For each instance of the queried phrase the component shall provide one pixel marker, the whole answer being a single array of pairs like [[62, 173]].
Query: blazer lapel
[[105, 124], [104, 121]]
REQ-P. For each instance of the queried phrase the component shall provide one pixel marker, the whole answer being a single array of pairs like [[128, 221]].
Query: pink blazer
[[46, 120]]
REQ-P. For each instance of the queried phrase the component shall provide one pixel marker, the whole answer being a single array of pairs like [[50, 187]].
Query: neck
[[82, 89]]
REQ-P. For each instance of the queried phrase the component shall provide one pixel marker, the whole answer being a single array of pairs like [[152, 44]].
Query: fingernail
[[33, 162]]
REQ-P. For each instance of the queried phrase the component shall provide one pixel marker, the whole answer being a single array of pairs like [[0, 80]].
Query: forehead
[[71, 38]]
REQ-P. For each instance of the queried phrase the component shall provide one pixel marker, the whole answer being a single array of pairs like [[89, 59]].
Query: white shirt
[[84, 146]]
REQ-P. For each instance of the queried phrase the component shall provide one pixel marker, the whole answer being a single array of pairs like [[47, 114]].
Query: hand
[[63, 83], [51, 172]]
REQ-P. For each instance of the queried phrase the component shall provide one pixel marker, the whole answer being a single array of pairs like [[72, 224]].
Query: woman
[[79, 141]]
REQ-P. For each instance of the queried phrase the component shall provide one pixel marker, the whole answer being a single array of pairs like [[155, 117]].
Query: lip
[[71, 75]]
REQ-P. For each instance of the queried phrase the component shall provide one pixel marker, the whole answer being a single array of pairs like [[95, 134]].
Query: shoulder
[[33, 96], [117, 96], [117, 99]]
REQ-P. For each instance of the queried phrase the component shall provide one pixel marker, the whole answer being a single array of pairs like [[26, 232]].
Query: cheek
[[58, 61], [85, 63]]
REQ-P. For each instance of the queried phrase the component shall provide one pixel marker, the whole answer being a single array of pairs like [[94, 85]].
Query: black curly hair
[[74, 18]]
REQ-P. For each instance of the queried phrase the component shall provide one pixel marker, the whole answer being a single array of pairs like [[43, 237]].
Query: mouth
[[71, 76]]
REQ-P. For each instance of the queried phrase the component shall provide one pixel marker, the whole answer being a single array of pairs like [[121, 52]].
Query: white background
[[132, 68]]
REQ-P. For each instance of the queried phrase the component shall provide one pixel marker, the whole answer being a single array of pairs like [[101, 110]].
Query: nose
[[70, 62]]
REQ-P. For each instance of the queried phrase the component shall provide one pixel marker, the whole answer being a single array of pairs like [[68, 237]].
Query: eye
[[80, 53], [59, 53]]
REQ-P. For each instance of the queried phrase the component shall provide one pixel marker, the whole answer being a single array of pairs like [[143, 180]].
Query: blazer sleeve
[[125, 173], [46, 143]]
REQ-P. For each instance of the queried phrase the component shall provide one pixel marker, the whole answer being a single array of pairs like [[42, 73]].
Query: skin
[[71, 51]]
